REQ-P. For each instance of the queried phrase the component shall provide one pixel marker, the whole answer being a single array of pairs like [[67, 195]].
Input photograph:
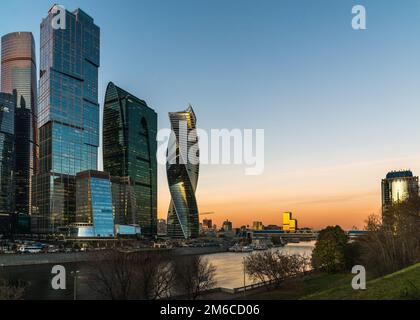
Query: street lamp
[[75, 275]]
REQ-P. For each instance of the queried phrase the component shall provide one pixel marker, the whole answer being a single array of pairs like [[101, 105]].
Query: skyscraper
[[7, 115], [129, 149], [289, 224], [227, 226], [18, 69], [68, 118], [94, 204], [182, 173], [207, 224], [124, 201], [399, 186], [257, 225]]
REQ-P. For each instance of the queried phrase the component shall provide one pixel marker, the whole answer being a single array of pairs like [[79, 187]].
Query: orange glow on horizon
[[342, 195]]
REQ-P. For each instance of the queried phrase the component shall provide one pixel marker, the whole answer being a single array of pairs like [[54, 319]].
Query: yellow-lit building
[[289, 224], [257, 225]]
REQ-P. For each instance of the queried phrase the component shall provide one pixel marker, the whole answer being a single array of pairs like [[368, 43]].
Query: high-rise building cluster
[[49, 140]]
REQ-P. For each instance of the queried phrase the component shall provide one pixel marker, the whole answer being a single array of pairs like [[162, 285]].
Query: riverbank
[[13, 260], [401, 285]]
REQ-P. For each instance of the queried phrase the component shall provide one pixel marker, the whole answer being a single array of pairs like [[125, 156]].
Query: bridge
[[301, 235]]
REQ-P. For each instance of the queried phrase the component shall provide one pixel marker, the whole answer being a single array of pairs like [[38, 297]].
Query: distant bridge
[[301, 235]]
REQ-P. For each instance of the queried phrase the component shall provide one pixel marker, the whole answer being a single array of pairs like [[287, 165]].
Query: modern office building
[[18, 69], [207, 224], [257, 225], [68, 116], [129, 151], [182, 173], [399, 186], [100, 202], [7, 143], [95, 217], [289, 224], [162, 230], [227, 226], [124, 201]]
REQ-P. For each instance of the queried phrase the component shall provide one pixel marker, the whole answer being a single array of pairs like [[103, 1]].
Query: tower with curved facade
[[182, 170], [18, 69], [129, 153]]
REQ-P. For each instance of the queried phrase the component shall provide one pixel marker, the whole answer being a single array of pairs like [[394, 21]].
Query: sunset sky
[[340, 108]]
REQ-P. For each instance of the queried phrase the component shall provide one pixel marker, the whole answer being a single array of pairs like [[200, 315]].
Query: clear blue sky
[[325, 94]]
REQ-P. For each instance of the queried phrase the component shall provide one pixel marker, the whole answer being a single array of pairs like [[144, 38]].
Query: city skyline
[[323, 164]]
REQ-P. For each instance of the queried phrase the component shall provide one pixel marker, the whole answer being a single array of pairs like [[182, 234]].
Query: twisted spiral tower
[[182, 169]]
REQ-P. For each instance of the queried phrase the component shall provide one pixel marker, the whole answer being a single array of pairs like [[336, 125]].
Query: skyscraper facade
[[94, 205], [289, 224], [18, 69], [68, 118], [182, 173], [7, 115], [399, 186], [129, 150], [124, 201]]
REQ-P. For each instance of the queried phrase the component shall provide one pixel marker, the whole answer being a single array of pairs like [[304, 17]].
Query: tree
[[274, 266], [132, 275], [194, 275], [155, 276], [392, 243], [331, 250], [10, 291]]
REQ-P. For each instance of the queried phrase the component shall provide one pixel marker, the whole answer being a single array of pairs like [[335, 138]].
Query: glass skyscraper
[[124, 201], [7, 115], [68, 117], [182, 173], [18, 69], [398, 187], [94, 205], [129, 149]]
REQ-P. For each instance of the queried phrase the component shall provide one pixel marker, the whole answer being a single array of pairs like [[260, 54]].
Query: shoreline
[[16, 260]]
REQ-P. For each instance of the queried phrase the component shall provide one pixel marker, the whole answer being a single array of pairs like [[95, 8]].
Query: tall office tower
[[207, 224], [182, 173], [94, 205], [7, 140], [257, 225], [129, 149], [397, 187], [68, 118], [18, 69], [227, 226], [289, 224], [124, 201]]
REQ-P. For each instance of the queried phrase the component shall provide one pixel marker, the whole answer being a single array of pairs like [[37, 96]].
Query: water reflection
[[229, 275], [230, 272]]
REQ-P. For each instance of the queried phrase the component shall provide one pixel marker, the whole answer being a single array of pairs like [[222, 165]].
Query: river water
[[229, 274], [229, 265]]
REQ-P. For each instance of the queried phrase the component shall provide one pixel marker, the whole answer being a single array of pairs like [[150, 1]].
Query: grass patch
[[401, 285], [297, 290]]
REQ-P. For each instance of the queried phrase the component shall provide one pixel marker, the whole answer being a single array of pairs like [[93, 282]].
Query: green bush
[[332, 252]]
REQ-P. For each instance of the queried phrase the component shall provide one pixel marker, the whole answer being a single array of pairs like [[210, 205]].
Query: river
[[229, 265], [229, 274]]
